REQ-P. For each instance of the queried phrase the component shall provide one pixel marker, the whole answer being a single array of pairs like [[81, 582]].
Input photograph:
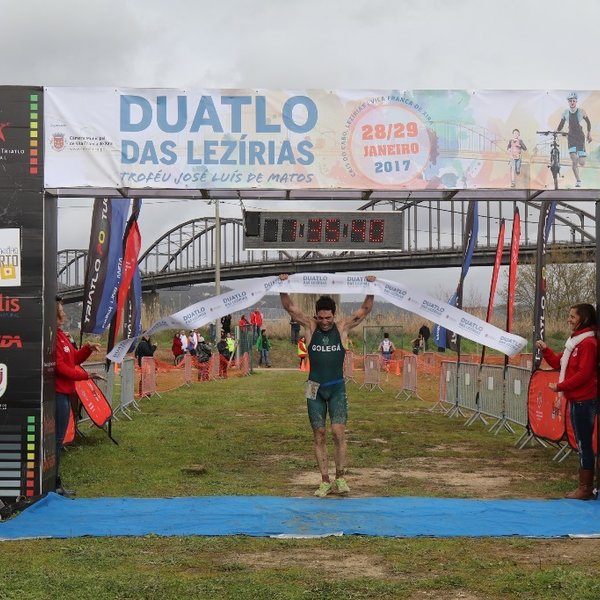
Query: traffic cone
[[397, 367]]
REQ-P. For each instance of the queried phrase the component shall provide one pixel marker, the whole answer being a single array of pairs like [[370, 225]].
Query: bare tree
[[567, 283]]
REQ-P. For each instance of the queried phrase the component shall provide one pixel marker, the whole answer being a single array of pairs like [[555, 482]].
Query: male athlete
[[576, 138], [325, 390]]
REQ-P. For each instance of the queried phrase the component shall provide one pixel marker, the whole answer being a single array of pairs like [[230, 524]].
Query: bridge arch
[[433, 230]]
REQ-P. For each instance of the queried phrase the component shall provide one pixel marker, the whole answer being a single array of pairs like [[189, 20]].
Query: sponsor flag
[[132, 318], [494, 282], [547, 212], [132, 243], [441, 337], [103, 270], [512, 268]]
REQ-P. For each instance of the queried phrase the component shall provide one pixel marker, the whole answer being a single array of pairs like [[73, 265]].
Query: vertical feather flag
[[104, 268], [440, 335], [132, 243], [512, 268], [547, 212]]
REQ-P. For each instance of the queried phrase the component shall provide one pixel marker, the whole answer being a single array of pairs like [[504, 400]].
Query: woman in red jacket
[[67, 372], [578, 383]]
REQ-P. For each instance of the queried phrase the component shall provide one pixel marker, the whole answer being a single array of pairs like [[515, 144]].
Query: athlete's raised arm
[[294, 312]]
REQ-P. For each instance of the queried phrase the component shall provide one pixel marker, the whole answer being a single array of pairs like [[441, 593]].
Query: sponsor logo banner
[[9, 307], [307, 139], [10, 257]]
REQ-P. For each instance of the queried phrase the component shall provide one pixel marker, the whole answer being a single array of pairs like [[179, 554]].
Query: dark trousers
[[582, 418]]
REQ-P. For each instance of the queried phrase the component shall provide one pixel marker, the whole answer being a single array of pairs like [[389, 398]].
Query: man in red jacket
[[67, 372], [256, 319]]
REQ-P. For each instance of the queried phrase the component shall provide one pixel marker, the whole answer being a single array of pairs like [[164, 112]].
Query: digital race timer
[[359, 230]]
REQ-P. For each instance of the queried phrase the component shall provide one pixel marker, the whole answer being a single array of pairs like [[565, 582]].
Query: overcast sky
[[274, 44]]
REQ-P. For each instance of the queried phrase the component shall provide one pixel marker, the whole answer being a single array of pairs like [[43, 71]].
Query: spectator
[[425, 333], [302, 352], [184, 341], [417, 344], [577, 382], [387, 348], [263, 346], [256, 319], [177, 349], [226, 323], [294, 331], [224, 355], [144, 348], [192, 342], [203, 355], [67, 372], [243, 323]]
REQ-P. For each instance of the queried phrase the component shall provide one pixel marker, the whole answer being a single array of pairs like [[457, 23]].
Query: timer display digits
[[271, 230], [332, 230], [288, 230], [342, 230], [359, 230], [314, 230]]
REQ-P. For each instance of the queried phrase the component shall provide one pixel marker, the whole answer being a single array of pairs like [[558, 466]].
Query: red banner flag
[[496, 271], [512, 269]]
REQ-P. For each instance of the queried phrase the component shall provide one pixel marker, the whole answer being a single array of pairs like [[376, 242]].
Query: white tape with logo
[[417, 302]]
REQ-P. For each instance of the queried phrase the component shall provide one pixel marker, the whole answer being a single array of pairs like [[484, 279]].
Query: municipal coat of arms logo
[[58, 141]]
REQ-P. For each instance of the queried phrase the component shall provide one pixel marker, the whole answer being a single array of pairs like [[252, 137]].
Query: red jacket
[[68, 359], [256, 318], [177, 348], [580, 381]]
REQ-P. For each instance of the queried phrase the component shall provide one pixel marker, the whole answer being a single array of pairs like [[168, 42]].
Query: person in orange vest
[[302, 352]]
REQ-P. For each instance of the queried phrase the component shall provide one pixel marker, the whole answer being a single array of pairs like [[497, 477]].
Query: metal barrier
[[491, 397], [409, 378], [349, 367], [517, 383], [447, 386], [127, 398], [372, 378], [468, 379], [148, 378], [502, 396]]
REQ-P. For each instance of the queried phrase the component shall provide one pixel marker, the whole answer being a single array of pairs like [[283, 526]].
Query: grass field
[[250, 436]]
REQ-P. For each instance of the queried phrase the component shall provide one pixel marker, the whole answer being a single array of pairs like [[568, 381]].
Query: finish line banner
[[317, 139], [421, 304]]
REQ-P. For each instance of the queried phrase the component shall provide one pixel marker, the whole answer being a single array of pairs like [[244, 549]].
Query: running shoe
[[578, 183], [324, 489], [341, 486]]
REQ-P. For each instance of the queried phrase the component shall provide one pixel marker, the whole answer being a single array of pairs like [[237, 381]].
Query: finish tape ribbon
[[419, 303]]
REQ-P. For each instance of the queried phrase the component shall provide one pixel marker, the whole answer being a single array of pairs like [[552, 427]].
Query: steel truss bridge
[[432, 234]]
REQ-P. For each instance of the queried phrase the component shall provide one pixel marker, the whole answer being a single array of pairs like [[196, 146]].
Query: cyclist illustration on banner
[[554, 165], [574, 116], [516, 146]]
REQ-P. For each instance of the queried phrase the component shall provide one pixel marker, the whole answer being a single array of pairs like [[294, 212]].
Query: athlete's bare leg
[[575, 160], [339, 448], [320, 437]]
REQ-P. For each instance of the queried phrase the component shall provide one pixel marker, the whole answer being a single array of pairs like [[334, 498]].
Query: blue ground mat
[[268, 516]]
